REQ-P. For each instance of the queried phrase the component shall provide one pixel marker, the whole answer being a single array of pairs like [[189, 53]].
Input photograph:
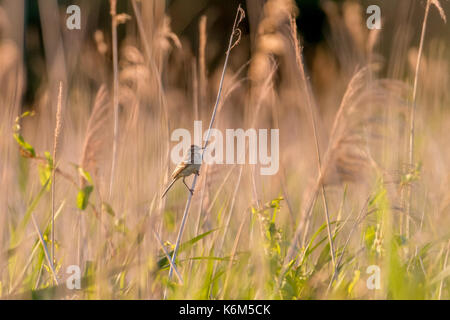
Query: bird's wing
[[180, 167]]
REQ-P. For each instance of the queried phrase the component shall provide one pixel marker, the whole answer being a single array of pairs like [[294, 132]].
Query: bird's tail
[[168, 187]]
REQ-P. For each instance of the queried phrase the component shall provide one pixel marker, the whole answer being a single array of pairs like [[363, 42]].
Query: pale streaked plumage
[[190, 165]]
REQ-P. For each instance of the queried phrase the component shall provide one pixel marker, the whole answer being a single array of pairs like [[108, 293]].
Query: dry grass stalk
[[44, 247], [347, 158], [413, 102], [438, 6], [55, 147], [95, 134], [195, 88], [312, 111], [202, 61], [113, 13], [93, 142]]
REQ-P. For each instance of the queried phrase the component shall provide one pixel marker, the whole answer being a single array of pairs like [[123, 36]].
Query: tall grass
[[114, 23], [414, 97], [55, 148], [353, 111]]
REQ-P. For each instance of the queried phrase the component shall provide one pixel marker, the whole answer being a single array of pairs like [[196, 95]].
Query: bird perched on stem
[[190, 165]]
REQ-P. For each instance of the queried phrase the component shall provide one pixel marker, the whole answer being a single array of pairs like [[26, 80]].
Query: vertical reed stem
[[312, 114], [413, 113], [239, 16], [55, 147], [113, 12]]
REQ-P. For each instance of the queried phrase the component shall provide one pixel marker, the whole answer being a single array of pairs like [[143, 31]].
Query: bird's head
[[195, 148]]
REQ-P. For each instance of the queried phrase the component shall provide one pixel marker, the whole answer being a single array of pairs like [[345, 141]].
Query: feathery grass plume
[[438, 6], [164, 37], [269, 42], [55, 147], [372, 40], [355, 24], [92, 149], [357, 123], [350, 38], [99, 39], [134, 79], [364, 142], [95, 134], [347, 158], [234, 40]]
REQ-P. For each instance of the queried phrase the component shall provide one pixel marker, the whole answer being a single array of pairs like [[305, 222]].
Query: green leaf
[[352, 284], [163, 262], [120, 226], [209, 258], [324, 257], [309, 248], [49, 158], [107, 207], [86, 175], [45, 174], [24, 145], [369, 236], [83, 197]]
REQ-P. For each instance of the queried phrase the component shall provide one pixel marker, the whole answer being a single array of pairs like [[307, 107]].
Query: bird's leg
[[190, 190]]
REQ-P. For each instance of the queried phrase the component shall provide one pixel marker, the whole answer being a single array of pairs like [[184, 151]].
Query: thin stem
[[202, 60], [44, 247], [168, 257], [239, 16], [55, 146], [115, 92], [441, 285], [309, 100], [413, 111]]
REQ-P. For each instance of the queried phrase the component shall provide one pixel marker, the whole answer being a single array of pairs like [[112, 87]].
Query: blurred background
[[312, 22]]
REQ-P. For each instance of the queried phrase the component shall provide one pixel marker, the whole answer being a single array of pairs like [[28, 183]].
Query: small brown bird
[[190, 165]]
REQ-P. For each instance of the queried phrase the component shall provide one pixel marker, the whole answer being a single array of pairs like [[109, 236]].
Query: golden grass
[[347, 133]]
